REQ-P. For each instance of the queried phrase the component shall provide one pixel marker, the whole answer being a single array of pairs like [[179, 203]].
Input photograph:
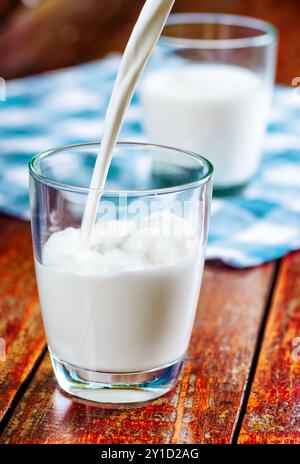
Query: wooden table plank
[[20, 321], [204, 406], [273, 411]]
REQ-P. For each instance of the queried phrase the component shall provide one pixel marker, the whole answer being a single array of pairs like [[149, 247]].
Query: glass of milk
[[208, 90], [118, 317]]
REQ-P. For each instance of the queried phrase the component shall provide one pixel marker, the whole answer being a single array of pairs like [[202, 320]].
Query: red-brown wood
[[273, 412], [20, 321], [206, 403]]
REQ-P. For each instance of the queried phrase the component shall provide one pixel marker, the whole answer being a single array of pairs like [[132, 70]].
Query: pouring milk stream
[[148, 276], [138, 51]]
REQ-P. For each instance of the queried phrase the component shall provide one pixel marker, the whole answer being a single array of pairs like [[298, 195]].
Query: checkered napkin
[[68, 106]]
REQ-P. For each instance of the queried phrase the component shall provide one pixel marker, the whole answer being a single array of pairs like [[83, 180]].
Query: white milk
[[129, 304], [218, 111], [120, 297], [138, 51]]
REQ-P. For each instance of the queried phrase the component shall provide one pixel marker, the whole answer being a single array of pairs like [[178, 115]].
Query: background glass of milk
[[118, 320], [208, 89]]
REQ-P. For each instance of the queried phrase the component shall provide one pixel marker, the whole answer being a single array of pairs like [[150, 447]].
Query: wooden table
[[55, 34], [240, 381]]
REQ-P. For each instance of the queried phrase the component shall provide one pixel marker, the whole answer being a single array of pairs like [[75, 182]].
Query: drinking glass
[[208, 89], [118, 333]]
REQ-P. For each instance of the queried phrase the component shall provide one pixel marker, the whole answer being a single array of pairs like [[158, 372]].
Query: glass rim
[[107, 192], [268, 36]]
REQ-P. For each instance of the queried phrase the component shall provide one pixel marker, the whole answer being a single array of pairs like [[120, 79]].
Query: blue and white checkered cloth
[[68, 106]]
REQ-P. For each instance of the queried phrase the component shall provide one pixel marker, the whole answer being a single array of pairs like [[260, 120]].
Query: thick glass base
[[117, 388]]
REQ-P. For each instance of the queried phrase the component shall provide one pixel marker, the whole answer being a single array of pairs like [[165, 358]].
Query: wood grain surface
[[273, 413], [205, 405], [20, 320]]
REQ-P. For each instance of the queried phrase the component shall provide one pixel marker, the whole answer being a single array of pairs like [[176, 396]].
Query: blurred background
[[40, 35]]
